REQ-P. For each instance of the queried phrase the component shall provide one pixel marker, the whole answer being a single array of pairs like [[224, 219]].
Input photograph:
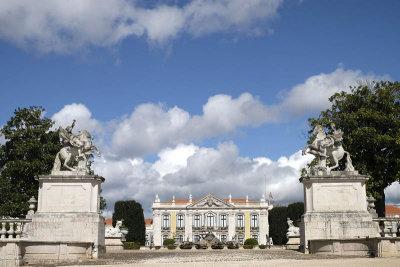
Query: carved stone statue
[[328, 147], [75, 147], [114, 231], [292, 230]]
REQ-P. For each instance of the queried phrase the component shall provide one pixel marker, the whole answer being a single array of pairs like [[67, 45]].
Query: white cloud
[[152, 127], [392, 193], [64, 26], [312, 95], [81, 114], [198, 171]]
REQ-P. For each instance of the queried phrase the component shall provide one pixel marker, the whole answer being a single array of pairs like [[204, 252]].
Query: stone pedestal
[[114, 244], [69, 211], [293, 242], [335, 208]]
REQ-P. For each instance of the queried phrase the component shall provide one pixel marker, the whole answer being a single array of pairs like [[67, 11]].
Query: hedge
[[251, 241], [171, 247], [131, 245], [262, 246], [248, 246], [168, 242]]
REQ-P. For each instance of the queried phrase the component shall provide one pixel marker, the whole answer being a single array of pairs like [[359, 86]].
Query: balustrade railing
[[389, 227], [13, 228]]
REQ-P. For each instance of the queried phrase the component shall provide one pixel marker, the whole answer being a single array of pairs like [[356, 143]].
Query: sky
[[196, 96]]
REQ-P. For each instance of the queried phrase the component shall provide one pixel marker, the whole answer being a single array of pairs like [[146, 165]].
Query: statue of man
[[67, 138]]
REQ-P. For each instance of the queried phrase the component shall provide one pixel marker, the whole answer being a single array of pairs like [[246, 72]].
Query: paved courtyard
[[268, 257]]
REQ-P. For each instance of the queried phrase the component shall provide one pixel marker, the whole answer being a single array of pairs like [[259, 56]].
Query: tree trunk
[[380, 204]]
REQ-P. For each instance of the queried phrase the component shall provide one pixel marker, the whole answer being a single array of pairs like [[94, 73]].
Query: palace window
[[254, 220], [240, 220], [165, 222], [180, 239], [210, 220], [223, 238], [240, 239], [196, 220], [164, 237], [196, 238], [223, 220], [255, 237], [180, 220]]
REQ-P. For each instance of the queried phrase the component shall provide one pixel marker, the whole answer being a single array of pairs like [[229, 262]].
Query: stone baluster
[[3, 230], [11, 231], [18, 230], [32, 204]]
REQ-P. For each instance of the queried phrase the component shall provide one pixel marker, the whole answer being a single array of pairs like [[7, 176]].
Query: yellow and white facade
[[188, 219]]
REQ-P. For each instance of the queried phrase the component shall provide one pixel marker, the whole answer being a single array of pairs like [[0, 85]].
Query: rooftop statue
[[75, 147], [328, 146]]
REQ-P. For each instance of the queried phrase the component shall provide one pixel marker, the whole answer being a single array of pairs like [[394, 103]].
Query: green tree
[[131, 212], [277, 220], [294, 212], [29, 151], [369, 116]]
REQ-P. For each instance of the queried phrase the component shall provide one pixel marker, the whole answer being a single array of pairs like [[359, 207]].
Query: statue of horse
[[328, 147], [81, 150]]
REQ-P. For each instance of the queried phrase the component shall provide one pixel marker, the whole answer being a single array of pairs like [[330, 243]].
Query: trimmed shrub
[[248, 246], [251, 241], [294, 212], [277, 219], [168, 242], [131, 245], [157, 247], [171, 247], [132, 214], [262, 246]]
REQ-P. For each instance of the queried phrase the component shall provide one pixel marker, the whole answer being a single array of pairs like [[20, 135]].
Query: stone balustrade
[[13, 228], [389, 227]]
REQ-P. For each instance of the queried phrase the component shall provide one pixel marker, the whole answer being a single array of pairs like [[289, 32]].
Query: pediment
[[210, 201]]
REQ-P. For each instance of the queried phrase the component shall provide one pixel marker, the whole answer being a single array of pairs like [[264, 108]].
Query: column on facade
[[188, 225], [157, 239], [263, 226], [231, 225]]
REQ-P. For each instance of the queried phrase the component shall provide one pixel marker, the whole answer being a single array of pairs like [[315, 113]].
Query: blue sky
[[112, 57]]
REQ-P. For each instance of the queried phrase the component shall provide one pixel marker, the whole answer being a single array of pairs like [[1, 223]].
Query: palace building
[[189, 219]]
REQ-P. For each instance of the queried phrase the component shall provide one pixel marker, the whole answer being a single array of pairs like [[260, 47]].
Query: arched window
[[255, 237], [196, 220], [223, 221], [223, 238], [240, 239], [210, 218], [240, 220], [180, 221], [165, 221], [254, 221], [164, 237]]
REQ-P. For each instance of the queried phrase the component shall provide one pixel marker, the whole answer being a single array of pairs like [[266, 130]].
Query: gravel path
[[268, 257]]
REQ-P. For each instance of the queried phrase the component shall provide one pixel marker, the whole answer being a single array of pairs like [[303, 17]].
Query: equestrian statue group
[[76, 148], [328, 146]]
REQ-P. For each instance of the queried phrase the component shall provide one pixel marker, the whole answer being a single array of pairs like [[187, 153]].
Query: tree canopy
[[131, 212], [29, 151], [369, 116]]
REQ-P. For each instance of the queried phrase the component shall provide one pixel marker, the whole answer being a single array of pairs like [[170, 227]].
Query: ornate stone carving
[[328, 146], [75, 147]]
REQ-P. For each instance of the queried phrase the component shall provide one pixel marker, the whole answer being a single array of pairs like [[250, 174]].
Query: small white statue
[[292, 230], [328, 147], [75, 147], [114, 231]]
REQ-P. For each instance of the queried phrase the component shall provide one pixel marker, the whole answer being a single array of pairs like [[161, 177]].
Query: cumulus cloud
[[313, 95], [392, 195], [152, 127], [81, 114], [189, 169], [64, 26]]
